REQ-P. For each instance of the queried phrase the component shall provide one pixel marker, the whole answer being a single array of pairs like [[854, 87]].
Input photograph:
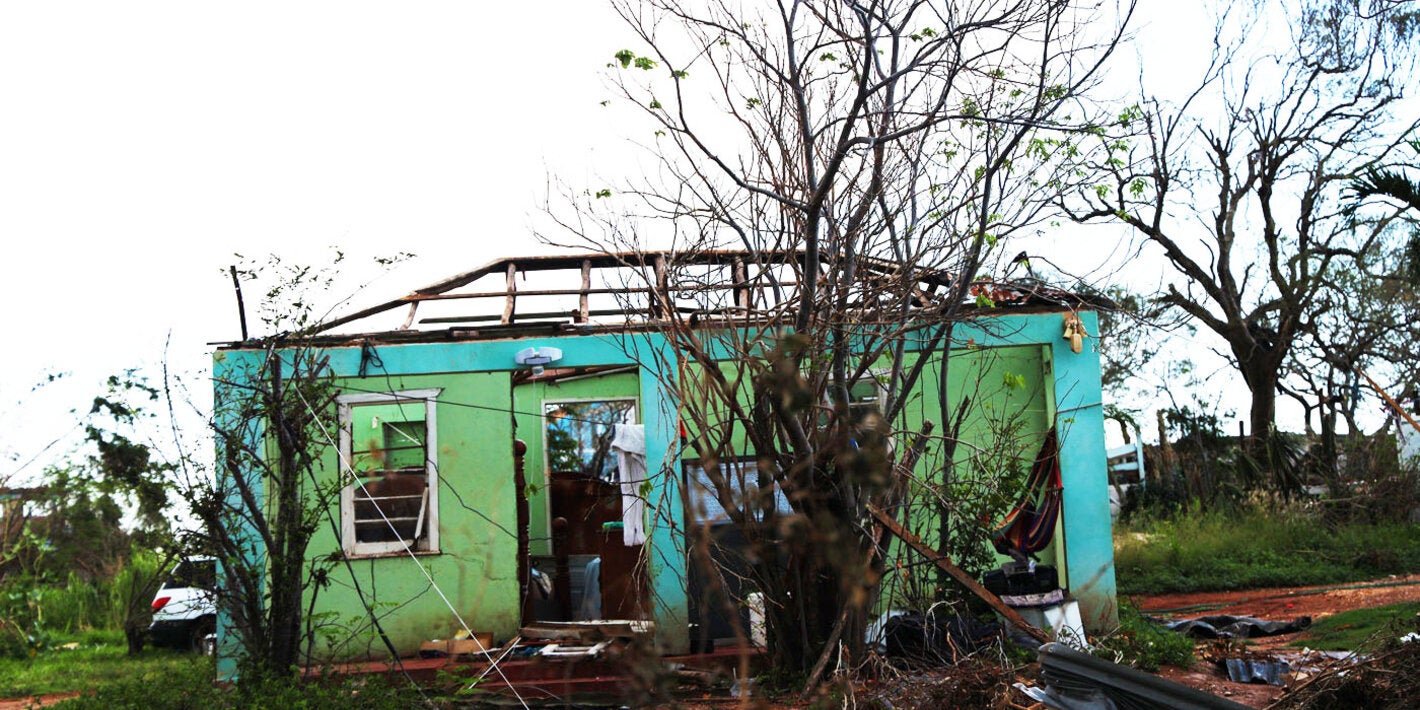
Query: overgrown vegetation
[[189, 684], [1141, 643], [1264, 543], [87, 547], [1350, 630]]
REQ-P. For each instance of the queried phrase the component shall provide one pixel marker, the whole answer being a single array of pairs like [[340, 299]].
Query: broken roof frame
[[733, 286]]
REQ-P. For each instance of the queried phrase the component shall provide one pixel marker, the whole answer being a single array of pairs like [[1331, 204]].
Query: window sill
[[390, 553]]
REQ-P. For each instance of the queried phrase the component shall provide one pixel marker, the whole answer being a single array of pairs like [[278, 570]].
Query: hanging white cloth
[[630, 446]]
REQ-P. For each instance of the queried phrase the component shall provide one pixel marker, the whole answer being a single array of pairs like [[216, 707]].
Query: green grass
[[107, 678], [1349, 629], [101, 658], [1257, 548], [1142, 644]]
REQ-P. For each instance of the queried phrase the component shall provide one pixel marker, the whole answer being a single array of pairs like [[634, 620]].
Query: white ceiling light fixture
[[536, 358]]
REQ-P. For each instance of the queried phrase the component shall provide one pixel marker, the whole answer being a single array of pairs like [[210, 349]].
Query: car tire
[[204, 636]]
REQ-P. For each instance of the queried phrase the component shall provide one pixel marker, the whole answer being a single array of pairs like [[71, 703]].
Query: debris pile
[[1387, 676], [973, 683]]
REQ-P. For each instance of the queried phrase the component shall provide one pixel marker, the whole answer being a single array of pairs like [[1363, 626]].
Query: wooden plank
[[740, 278], [497, 658], [566, 292], [957, 573], [583, 304], [588, 631], [409, 320], [1394, 404], [511, 293]]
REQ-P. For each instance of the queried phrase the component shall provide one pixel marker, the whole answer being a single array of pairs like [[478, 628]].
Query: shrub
[[1140, 643]]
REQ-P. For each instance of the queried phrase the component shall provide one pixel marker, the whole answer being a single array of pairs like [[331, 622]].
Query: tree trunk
[[135, 635]]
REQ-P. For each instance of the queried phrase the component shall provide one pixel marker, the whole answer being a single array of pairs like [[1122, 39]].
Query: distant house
[[558, 352], [20, 509]]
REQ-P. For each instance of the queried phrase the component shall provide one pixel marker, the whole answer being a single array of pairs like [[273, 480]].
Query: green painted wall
[[477, 521], [1009, 403]]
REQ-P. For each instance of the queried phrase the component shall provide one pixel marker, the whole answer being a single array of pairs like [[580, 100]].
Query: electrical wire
[[348, 469]]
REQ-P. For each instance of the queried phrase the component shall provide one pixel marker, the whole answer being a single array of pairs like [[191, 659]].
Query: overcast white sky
[[142, 143]]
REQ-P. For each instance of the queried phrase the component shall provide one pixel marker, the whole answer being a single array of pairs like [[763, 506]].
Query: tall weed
[[1265, 543]]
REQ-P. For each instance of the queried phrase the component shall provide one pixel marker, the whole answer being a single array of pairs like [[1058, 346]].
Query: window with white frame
[[389, 502]]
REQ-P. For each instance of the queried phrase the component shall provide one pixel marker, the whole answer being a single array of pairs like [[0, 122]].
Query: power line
[[407, 549]]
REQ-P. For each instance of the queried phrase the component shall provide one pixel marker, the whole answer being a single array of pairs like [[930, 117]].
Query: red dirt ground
[[1287, 603], [1272, 605], [34, 701]]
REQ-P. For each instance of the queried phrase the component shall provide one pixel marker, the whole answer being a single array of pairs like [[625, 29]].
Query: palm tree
[[1396, 185]]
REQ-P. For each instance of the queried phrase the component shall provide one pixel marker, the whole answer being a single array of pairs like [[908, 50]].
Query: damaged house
[[517, 443]]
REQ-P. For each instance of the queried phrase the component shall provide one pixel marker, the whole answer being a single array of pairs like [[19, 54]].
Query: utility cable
[[345, 464]]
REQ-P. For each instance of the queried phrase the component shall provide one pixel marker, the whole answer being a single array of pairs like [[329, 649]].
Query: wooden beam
[[957, 573], [1393, 404], [583, 301], [661, 306], [511, 293], [740, 278]]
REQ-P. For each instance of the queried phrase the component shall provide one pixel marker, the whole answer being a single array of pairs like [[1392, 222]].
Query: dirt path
[[1283, 604], [1286, 603], [36, 701]]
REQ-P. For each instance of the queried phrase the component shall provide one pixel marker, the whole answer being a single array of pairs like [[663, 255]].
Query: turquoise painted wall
[[1078, 414]]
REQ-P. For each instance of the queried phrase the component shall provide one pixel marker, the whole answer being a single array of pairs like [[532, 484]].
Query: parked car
[[185, 607]]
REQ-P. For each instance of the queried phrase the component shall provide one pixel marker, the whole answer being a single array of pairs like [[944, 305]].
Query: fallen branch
[[957, 573]]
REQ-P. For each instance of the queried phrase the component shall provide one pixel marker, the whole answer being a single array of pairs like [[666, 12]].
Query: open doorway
[[587, 520]]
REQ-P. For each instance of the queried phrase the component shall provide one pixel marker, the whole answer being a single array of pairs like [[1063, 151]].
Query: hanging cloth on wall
[[1030, 525], [630, 446]]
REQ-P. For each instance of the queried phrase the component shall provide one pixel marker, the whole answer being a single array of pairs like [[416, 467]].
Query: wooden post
[[512, 297], [583, 303], [520, 489], [562, 581], [1166, 457], [667, 305], [741, 281]]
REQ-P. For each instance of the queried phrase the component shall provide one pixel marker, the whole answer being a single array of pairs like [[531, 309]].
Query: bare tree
[[867, 160], [1240, 185], [272, 413]]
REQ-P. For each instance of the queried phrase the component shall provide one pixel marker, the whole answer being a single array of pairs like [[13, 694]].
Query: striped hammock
[[1030, 525]]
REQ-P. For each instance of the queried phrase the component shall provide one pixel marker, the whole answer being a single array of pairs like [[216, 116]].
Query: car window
[[201, 574]]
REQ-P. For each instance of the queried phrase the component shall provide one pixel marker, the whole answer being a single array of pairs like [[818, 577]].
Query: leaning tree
[[1242, 186]]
